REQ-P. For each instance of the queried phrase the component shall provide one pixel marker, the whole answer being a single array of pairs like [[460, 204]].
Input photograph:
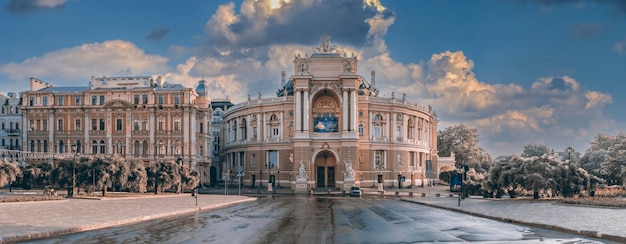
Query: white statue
[[302, 172], [349, 169]]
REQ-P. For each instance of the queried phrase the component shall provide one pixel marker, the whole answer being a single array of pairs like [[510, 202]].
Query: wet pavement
[[33, 220], [322, 219]]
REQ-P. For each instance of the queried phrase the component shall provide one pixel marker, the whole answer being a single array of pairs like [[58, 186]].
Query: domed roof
[[201, 88]]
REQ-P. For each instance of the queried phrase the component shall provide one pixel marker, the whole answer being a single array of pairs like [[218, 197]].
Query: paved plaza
[[32, 220]]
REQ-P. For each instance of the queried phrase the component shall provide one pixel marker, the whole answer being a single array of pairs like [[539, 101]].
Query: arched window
[[94, 147], [79, 147], [145, 148], [161, 148], [61, 148], [103, 149], [378, 126], [235, 130], [361, 130], [136, 148], [45, 145], [410, 129], [244, 130]]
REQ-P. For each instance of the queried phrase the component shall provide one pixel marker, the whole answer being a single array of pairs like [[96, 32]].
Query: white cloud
[[597, 100], [109, 58]]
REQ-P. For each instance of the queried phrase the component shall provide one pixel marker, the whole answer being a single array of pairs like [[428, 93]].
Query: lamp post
[[569, 151], [75, 148]]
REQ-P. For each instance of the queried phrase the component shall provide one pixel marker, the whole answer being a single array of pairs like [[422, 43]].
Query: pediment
[[117, 103]]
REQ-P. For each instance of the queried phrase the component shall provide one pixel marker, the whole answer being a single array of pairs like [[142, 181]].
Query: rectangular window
[[412, 158], [161, 124], [379, 159], [144, 124], [32, 124], [31, 101], [118, 124], [77, 125], [60, 125], [136, 99], [61, 100], [201, 151], [254, 132], [145, 98], [272, 159], [45, 101], [101, 124], [161, 99], [94, 100], [136, 125], [176, 98], [101, 100], [176, 124], [275, 132], [44, 125], [78, 99], [398, 130], [201, 127], [2, 141], [378, 129], [94, 124], [361, 130]]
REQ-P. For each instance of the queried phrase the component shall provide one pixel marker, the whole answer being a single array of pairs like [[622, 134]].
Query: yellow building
[[328, 128], [144, 119]]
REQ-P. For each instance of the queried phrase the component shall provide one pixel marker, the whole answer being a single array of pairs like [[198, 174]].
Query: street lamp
[[569, 152], [75, 148]]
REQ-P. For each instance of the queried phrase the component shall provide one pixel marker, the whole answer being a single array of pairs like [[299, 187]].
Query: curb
[[586, 233], [72, 230]]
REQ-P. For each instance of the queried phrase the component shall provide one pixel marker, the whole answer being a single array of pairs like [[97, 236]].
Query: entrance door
[[320, 177], [213, 176], [331, 176]]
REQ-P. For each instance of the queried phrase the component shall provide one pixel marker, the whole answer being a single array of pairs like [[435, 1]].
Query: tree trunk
[[104, 191], [535, 194]]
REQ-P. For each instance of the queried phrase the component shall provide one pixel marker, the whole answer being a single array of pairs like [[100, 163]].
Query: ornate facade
[[328, 126], [142, 119]]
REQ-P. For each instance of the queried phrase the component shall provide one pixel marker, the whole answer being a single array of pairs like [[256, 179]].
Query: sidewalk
[[34, 220], [595, 222]]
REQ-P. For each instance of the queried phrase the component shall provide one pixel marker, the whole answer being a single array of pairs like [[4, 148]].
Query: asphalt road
[[304, 219]]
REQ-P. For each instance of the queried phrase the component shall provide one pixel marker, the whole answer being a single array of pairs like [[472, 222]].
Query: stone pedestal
[[348, 183], [301, 186]]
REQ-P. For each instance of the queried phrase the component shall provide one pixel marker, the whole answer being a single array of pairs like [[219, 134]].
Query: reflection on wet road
[[303, 219]]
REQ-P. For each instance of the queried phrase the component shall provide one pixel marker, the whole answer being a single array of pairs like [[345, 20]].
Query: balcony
[[141, 132], [12, 132]]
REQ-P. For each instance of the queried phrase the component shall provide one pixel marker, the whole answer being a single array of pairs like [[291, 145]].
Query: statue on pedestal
[[302, 174]]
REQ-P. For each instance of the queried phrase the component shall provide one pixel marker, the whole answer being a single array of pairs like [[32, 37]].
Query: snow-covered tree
[[540, 176], [535, 150], [606, 158], [164, 175], [463, 141], [138, 178], [8, 172]]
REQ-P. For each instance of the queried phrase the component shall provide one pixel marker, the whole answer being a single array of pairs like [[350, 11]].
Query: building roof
[[66, 89]]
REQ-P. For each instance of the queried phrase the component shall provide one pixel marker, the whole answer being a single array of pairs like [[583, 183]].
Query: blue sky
[[522, 71]]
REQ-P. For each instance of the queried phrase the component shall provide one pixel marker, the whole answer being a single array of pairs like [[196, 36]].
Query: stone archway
[[325, 169]]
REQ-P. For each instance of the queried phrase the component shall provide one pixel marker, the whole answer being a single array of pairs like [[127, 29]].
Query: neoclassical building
[[11, 120], [326, 124], [144, 119]]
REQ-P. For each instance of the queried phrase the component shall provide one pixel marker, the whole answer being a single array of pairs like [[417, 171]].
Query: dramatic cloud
[[24, 6], [109, 58], [260, 23], [158, 33]]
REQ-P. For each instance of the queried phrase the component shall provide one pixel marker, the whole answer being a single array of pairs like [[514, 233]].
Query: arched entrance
[[325, 165]]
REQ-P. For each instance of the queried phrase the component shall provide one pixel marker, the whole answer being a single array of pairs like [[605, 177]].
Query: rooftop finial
[[325, 46], [282, 78]]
